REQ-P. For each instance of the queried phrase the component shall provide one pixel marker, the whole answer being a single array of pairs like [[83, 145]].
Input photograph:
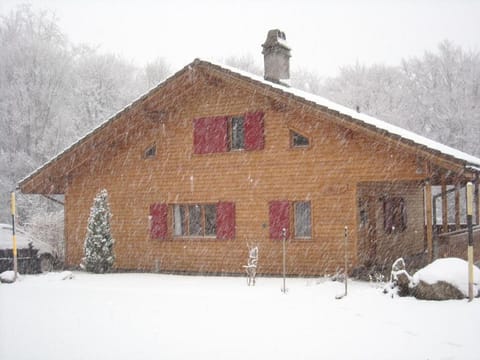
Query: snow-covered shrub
[[452, 271], [399, 280], [443, 279], [98, 248]]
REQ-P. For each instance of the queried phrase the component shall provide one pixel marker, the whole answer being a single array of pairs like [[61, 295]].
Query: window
[[194, 220], [303, 222], [363, 212], [150, 152], [210, 220], [227, 133], [395, 215], [204, 220], [281, 217], [298, 140], [237, 133]]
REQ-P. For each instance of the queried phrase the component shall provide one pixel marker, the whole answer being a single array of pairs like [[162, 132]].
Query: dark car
[[33, 256]]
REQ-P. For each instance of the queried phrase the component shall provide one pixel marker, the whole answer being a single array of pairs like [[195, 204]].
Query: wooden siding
[[410, 241], [326, 174]]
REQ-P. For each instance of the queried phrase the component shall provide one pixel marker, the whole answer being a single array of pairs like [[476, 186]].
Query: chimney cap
[[275, 38]]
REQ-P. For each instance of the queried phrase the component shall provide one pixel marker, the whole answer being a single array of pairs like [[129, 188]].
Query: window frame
[[231, 136], [293, 133], [146, 152], [294, 214], [186, 224]]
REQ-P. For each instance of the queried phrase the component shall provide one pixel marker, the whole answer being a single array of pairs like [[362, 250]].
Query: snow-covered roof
[[470, 162], [22, 240]]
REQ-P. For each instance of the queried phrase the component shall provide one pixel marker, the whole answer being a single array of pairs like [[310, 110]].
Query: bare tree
[[437, 95], [441, 96], [156, 71]]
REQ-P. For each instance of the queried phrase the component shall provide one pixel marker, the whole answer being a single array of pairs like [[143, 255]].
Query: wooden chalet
[[214, 160]]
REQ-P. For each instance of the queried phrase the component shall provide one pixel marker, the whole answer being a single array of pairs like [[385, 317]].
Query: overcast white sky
[[323, 35]]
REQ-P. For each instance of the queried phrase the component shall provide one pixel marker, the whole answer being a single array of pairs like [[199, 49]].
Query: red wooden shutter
[[158, 221], [254, 131], [226, 221], [210, 135], [279, 214]]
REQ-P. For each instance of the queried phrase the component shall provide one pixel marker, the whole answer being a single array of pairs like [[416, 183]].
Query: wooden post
[[457, 206], [284, 238], [444, 205], [345, 244], [14, 237], [477, 198], [428, 216], [345, 280], [470, 239]]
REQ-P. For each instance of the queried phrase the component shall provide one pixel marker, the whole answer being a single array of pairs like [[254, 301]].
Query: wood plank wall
[[326, 173]]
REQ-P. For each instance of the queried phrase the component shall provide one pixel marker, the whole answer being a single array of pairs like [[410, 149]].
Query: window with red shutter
[[201, 220], [158, 221], [228, 133], [279, 215], [226, 221], [210, 135], [254, 131]]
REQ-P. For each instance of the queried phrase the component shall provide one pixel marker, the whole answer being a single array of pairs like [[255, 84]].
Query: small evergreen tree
[[98, 248]]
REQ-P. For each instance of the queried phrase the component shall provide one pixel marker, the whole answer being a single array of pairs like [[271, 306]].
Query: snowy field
[[151, 316]]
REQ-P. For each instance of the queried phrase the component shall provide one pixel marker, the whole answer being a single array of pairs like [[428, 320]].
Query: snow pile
[[450, 270], [58, 276], [66, 275], [7, 277]]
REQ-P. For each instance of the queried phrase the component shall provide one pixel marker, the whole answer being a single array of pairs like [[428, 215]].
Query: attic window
[[298, 140], [150, 152]]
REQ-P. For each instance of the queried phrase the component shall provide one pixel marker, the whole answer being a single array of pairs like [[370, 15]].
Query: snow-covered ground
[[153, 316]]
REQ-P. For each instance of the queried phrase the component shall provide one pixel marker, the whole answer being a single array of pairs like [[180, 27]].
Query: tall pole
[[429, 219], [284, 240], [345, 280], [470, 239], [14, 237], [346, 257]]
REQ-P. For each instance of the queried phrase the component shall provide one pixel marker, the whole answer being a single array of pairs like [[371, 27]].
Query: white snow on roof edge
[[472, 162]]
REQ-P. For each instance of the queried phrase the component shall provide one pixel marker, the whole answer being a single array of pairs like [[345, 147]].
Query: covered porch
[[449, 218], [419, 220]]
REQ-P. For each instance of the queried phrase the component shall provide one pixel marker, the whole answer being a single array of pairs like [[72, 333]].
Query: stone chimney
[[276, 56]]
